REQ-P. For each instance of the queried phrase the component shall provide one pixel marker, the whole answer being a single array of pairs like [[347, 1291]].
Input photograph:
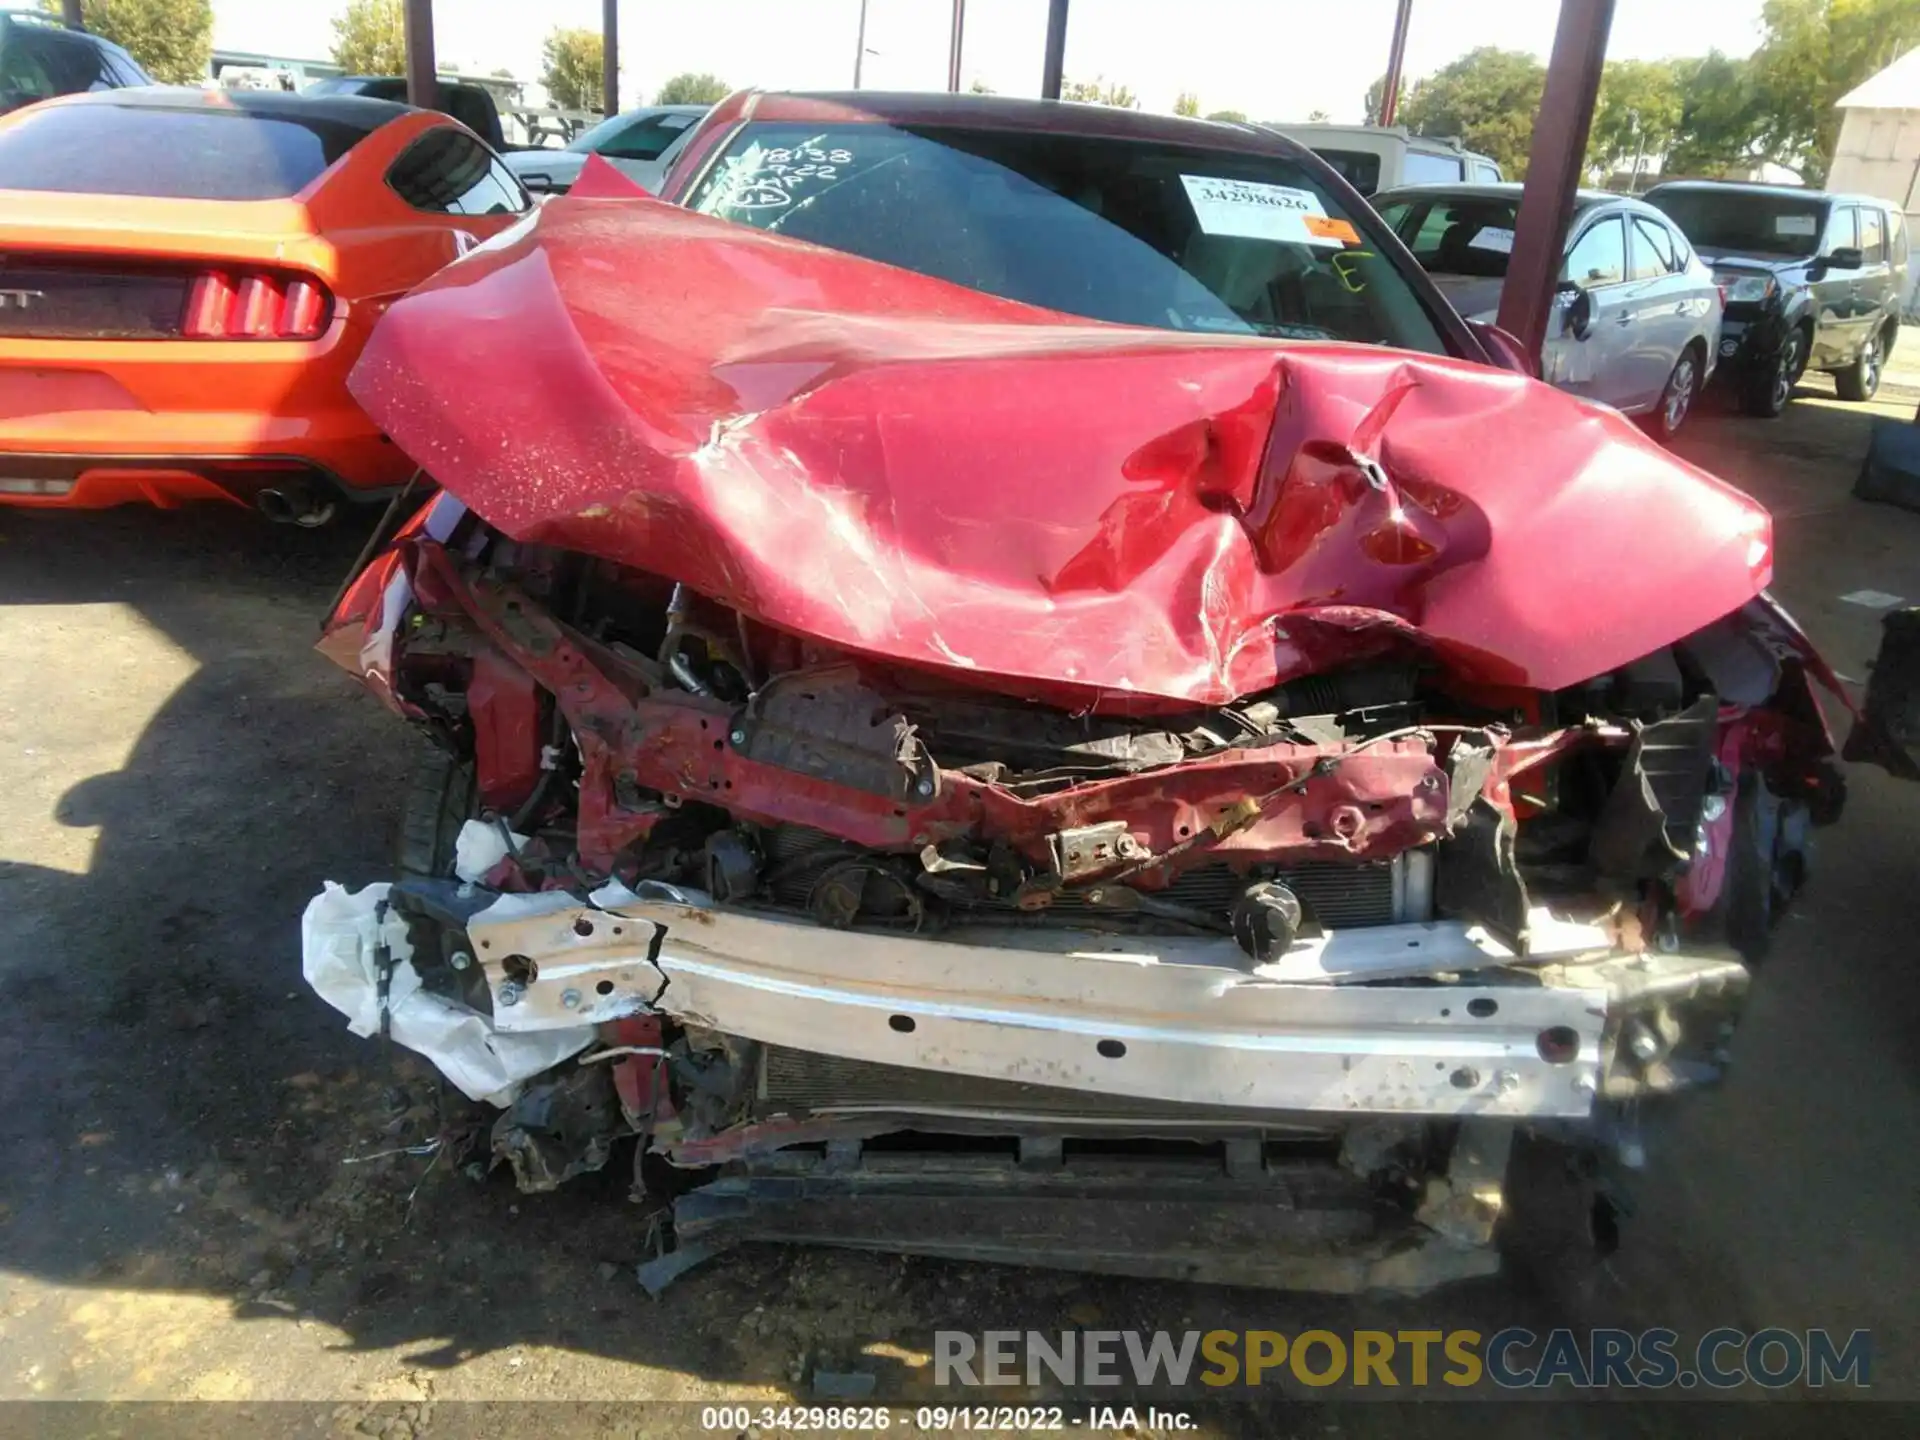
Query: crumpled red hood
[[1076, 511]]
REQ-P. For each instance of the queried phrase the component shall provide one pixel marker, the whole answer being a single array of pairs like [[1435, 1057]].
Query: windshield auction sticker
[[1252, 210]]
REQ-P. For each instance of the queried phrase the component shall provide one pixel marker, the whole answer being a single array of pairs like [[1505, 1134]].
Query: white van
[[1384, 157]]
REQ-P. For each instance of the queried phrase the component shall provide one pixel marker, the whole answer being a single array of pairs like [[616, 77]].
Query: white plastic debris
[[339, 940], [479, 847]]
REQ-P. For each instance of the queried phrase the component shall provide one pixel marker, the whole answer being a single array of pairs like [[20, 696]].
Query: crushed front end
[[1234, 834]]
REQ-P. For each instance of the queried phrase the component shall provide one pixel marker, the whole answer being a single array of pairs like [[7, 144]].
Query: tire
[[1861, 380], [1766, 392], [1677, 397], [439, 800]]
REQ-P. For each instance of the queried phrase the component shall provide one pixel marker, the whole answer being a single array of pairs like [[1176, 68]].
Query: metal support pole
[[70, 13], [422, 88], [860, 46], [1553, 169], [1056, 61], [1396, 58], [609, 57], [953, 45]]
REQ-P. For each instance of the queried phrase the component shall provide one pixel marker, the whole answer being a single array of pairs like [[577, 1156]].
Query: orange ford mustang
[[186, 278]]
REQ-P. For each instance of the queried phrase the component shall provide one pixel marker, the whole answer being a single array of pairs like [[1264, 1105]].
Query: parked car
[[1385, 157], [187, 276], [1813, 281], [472, 105], [1004, 635], [1637, 322], [641, 144], [41, 58]]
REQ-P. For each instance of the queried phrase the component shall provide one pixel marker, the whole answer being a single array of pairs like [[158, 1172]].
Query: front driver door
[[1835, 331], [1597, 365]]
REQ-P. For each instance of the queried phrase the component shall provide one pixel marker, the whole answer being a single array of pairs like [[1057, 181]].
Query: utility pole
[[609, 57], [70, 12], [860, 45], [1396, 58], [953, 44], [1055, 61]]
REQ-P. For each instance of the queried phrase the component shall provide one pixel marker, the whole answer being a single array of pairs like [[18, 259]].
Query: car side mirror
[[1579, 308], [1845, 257]]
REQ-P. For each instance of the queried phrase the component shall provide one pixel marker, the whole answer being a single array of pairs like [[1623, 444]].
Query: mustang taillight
[[250, 305]]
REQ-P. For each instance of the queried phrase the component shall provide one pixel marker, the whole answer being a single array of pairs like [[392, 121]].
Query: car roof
[[353, 111], [1498, 190], [1783, 192], [1004, 112]]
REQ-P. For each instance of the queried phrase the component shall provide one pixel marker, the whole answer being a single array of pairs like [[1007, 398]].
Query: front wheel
[[1861, 380], [1676, 400], [1770, 387]]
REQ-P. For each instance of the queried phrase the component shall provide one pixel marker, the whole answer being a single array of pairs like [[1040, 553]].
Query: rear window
[[169, 152], [1456, 235], [1420, 168], [1359, 168]]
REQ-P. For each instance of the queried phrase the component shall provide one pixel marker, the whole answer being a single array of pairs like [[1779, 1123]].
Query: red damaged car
[[1015, 685]]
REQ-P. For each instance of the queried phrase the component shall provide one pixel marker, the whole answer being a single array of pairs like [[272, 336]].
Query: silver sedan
[[1636, 319]]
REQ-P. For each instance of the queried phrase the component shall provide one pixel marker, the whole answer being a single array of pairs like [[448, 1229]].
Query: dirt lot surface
[[178, 1217]]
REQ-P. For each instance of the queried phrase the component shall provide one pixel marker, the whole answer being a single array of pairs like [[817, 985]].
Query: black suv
[[1812, 280], [41, 58]]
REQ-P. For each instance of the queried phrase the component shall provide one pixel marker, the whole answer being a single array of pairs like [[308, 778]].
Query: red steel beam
[[1396, 58], [609, 57], [1055, 63], [422, 88], [1553, 169]]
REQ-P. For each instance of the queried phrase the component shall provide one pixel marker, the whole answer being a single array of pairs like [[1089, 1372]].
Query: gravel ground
[[178, 772]]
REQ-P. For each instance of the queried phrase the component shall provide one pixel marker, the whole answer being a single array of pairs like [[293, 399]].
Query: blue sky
[[1274, 59]]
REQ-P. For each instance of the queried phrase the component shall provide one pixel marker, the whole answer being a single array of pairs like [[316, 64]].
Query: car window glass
[[1482, 171], [175, 151], [449, 172], [643, 140], [1465, 236], [1136, 232], [1359, 168], [1653, 255], [25, 74], [1420, 168], [1873, 248], [1896, 237], [1840, 234], [1599, 256]]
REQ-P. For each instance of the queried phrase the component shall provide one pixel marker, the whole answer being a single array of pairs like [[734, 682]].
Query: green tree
[[1720, 118], [1815, 51], [691, 89], [570, 61], [172, 39], [1637, 116], [1186, 103], [370, 38], [1488, 98], [1318, 117], [1098, 91], [1236, 117], [1374, 92]]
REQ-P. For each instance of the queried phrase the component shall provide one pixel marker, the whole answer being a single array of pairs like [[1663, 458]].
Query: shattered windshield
[[1128, 231]]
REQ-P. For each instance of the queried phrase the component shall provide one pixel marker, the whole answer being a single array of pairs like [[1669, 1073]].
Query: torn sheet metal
[[1087, 514], [341, 934]]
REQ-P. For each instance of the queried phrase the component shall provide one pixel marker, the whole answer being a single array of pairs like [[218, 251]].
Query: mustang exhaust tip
[[295, 505]]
